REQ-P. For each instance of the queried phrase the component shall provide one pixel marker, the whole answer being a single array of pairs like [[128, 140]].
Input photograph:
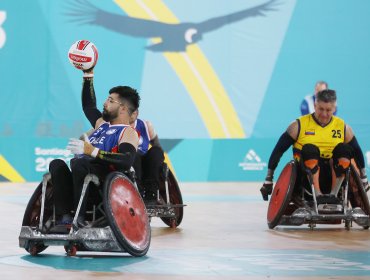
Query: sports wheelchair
[[292, 202], [118, 224]]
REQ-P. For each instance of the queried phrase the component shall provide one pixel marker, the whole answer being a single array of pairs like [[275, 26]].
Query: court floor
[[223, 235]]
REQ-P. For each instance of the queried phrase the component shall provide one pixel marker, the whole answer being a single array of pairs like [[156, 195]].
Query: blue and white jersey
[[308, 105], [144, 137], [106, 137]]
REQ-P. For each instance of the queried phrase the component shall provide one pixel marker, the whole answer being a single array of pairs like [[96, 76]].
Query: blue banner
[[228, 78]]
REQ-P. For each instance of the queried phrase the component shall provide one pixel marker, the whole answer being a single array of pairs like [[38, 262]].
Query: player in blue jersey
[[308, 103], [112, 145], [149, 159]]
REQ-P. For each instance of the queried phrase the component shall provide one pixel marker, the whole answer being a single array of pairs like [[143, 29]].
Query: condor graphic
[[175, 37]]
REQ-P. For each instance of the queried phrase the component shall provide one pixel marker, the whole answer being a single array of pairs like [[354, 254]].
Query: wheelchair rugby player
[[326, 182], [57, 212]]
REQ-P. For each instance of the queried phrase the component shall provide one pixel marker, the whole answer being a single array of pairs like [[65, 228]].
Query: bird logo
[[174, 37]]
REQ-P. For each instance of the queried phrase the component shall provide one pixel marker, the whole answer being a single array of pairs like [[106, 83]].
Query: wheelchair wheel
[[126, 214], [282, 194], [31, 216], [357, 194], [175, 198]]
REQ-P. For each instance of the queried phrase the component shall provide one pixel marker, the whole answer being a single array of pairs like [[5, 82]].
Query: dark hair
[[327, 95], [128, 96]]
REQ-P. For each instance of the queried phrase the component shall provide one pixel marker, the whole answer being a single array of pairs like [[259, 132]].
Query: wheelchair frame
[[128, 227], [171, 211], [288, 205]]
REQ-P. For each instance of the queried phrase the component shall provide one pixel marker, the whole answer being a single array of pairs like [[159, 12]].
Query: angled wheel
[[32, 214], [126, 214], [282, 194], [175, 198], [357, 194]]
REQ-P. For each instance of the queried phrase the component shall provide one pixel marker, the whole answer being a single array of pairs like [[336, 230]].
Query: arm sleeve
[[89, 101], [122, 160], [285, 141], [155, 142], [357, 152]]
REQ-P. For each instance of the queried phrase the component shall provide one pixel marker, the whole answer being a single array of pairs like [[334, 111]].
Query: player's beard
[[109, 116]]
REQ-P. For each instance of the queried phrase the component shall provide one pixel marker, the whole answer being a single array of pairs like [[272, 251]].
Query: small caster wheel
[[33, 250], [173, 223], [71, 250]]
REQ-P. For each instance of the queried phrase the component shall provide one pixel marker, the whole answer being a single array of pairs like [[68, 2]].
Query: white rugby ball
[[83, 55]]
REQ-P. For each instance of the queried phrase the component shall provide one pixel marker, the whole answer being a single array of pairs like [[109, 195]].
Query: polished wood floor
[[223, 235]]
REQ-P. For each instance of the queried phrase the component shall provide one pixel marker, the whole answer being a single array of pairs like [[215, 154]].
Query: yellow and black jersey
[[324, 137]]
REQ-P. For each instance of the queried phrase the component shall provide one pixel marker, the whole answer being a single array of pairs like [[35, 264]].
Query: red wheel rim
[[281, 194], [129, 214]]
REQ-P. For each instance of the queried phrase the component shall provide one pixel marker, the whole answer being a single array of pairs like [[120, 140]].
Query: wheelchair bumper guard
[[305, 216], [164, 211], [92, 239]]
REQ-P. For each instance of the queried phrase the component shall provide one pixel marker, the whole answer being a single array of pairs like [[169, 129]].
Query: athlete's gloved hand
[[266, 189], [77, 147], [365, 183]]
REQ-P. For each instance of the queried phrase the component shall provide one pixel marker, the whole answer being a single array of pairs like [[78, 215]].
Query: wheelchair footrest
[[330, 209], [298, 217]]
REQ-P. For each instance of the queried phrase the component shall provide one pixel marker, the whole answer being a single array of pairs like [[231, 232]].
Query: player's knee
[[57, 164], [342, 151], [310, 157], [310, 151], [342, 154], [80, 166]]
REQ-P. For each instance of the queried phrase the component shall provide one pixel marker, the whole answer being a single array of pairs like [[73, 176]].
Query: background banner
[[220, 80]]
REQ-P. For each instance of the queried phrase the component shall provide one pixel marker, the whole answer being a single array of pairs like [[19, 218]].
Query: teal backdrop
[[219, 79]]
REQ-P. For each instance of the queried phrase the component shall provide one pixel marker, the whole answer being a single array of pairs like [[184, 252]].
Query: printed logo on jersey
[[111, 131], [252, 161]]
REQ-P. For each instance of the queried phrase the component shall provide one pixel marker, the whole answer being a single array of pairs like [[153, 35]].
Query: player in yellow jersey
[[324, 145]]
